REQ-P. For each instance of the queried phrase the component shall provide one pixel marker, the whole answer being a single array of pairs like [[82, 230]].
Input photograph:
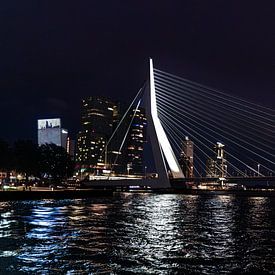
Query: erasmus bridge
[[177, 108]]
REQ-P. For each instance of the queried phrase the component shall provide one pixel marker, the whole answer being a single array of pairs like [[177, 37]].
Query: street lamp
[[145, 174], [259, 169], [129, 167]]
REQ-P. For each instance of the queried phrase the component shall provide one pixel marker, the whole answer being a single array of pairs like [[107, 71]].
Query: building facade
[[71, 146], [187, 158], [135, 142], [123, 155], [50, 131], [217, 167], [97, 115]]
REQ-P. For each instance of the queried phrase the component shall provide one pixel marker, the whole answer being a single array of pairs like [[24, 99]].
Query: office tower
[[135, 142], [64, 137], [187, 158], [96, 128], [49, 131], [221, 160], [125, 151], [70, 147], [211, 168], [217, 167]]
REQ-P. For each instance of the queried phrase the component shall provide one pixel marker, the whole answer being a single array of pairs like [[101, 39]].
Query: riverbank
[[54, 194], [237, 192], [39, 194]]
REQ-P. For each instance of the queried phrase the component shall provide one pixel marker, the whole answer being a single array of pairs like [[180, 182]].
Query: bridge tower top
[[162, 150]]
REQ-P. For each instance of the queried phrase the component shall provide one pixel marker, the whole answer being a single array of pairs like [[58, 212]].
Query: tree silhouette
[[55, 163], [26, 158], [6, 156]]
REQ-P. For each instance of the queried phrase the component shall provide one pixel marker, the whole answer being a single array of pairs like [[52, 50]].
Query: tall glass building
[[128, 158], [187, 158], [97, 115], [124, 154]]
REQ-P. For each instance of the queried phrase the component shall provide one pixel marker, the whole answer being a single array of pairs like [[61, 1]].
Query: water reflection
[[139, 233]]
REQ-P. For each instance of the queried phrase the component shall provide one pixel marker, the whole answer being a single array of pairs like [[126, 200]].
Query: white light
[[163, 140]]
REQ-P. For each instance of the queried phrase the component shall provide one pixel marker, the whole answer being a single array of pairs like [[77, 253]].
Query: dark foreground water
[[139, 234]]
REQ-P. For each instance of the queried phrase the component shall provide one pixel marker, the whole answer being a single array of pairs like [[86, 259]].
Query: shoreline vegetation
[[30, 163]]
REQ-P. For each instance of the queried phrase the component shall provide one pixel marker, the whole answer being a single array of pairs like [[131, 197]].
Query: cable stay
[[258, 138], [172, 118], [164, 120], [220, 102], [268, 111], [168, 127], [221, 116], [208, 148], [205, 133], [192, 115], [211, 143], [175, 144], [189, 116], [124, 116], [124, 138]]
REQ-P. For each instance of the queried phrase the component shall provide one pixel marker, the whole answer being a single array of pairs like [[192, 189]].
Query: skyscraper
[[211, 168], [71, 148], [221, 160], [125, 151], [187, 158], [64, 138], [135, 142], [217, 167], [50, 131], [96, 128]]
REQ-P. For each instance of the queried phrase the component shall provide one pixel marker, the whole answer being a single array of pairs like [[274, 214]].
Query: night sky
[[53, 53]]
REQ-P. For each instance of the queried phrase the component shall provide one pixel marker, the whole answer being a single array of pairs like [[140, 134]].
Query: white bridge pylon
[[161, 147]]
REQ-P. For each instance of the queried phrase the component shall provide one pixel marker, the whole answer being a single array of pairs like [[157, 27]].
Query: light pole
[[145, 174], [129, 167], [259, 169], [106, 155]]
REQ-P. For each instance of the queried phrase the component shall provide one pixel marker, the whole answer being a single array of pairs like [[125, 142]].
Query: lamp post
[[129, 167], [259, 169], [105, 156], [145, 172]]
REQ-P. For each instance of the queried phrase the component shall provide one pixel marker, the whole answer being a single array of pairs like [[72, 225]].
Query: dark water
[[139, 234]]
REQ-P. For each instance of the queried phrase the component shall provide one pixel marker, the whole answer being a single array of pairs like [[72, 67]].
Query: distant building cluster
[[105, 144], [216, 166], [105, 148], [111, 142]]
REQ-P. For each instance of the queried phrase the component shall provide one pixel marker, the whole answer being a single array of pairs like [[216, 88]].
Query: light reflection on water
[[139, 233]]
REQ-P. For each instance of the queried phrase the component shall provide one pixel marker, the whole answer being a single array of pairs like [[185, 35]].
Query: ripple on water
[[138, 233]]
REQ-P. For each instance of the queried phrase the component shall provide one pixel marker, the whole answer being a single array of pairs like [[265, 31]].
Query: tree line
[[46, 162]]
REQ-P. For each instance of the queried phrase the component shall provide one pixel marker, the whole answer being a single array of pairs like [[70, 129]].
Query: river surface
[[139, 234]]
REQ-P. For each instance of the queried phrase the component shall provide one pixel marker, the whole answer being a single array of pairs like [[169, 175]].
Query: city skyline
[[52, 123], [166, 94], [137, 137]]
